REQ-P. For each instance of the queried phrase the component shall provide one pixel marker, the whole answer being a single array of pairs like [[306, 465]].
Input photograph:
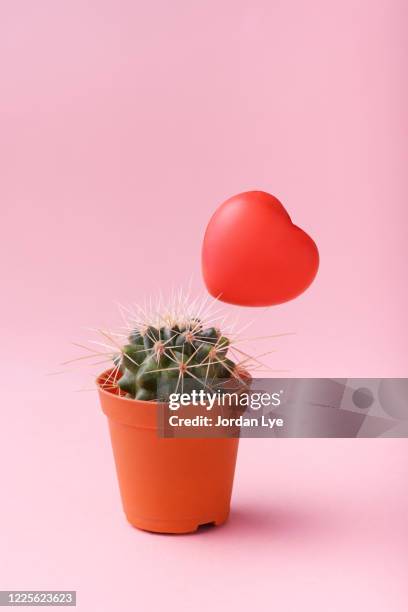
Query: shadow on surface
[[282, 522], [274, 522]]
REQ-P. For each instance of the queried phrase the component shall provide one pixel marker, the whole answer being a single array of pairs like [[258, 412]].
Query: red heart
[[253, 255]]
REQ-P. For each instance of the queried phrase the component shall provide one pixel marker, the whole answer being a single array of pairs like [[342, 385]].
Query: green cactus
[[158, 361]]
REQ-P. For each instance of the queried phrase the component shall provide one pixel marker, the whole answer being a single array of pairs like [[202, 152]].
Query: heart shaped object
[[253, 255]]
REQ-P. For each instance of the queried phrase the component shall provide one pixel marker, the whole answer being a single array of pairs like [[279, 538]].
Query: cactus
[[158, 360]]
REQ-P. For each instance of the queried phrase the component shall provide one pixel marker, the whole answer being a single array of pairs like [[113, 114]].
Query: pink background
[[123, 125]]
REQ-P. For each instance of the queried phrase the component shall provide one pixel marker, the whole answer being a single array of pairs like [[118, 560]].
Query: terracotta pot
[[167, 485]]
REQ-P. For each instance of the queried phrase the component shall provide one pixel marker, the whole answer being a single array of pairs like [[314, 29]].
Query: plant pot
[[167, 485]]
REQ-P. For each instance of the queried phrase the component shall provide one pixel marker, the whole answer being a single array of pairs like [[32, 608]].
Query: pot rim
[[153, 402]]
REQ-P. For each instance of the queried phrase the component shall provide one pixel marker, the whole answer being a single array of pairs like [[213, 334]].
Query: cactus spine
[[164, 359]]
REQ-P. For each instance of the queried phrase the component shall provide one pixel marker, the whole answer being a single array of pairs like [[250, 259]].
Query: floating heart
[[253, 255]]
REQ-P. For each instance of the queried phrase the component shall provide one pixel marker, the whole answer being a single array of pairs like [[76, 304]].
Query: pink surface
[[123, 125]]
